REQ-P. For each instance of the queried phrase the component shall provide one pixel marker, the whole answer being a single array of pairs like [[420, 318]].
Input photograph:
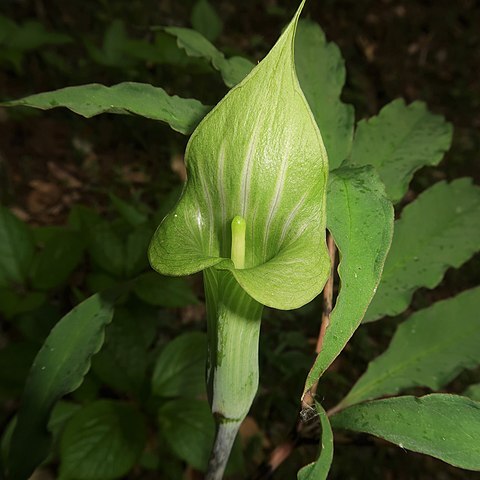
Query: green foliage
[[119, 251], [205, 20], [58, 369], [233, 70], [102, 440], [180, 367], [440, 229], [18, 40], [13, 303], [60, 256], [15, 361], [443, 426], [360, 218], [161, 291], [128, 212], [181, 114], [421, 354], [119, 50], [320, 468], [399, 141], [473, 392], [16, 249], [188, 428], [321, 73], [123, 361]]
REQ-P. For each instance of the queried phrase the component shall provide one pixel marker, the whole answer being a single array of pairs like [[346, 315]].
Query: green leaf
[[15, 361], [32, 35], [321, 73], [400, 140], [100, 281], [360, 218], [61, 413], [180, 367], [258, 154], [443, 426], [13, 303], [189, 429], [17, 40], [83, 218], [181, 114], [118, 249], [107, 249], [425, 350], [136, 246], [206, 20], [103, 440], [129, 212], [58, 369], [16, 248], [439, 230], [161, 291], [60, 256], [320, 468], [36, 324], [473, 392], [122, 362], [112, 53], [233, 70], [7, 27]]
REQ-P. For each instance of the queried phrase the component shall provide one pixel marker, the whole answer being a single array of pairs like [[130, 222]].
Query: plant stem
[[232, 372], [225, 436]]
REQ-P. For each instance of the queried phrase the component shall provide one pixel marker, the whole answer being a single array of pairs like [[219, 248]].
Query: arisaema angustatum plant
[[252, 217]]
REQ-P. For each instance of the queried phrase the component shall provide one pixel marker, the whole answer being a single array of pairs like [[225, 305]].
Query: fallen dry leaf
[[64, 176]]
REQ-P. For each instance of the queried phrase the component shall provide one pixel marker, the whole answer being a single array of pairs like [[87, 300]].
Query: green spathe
[[258, 154]]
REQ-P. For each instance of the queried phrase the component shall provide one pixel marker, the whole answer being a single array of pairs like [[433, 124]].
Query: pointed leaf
[[102, 440], [259, 155], [58, 369], [321, 73], [360, 218], [422, 353], [320, 468], [16, 248], [206, 20], [400, 140], [129, 212], [181, 114], [60, 256], [443, 426], [233, 70], [440, 229]]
